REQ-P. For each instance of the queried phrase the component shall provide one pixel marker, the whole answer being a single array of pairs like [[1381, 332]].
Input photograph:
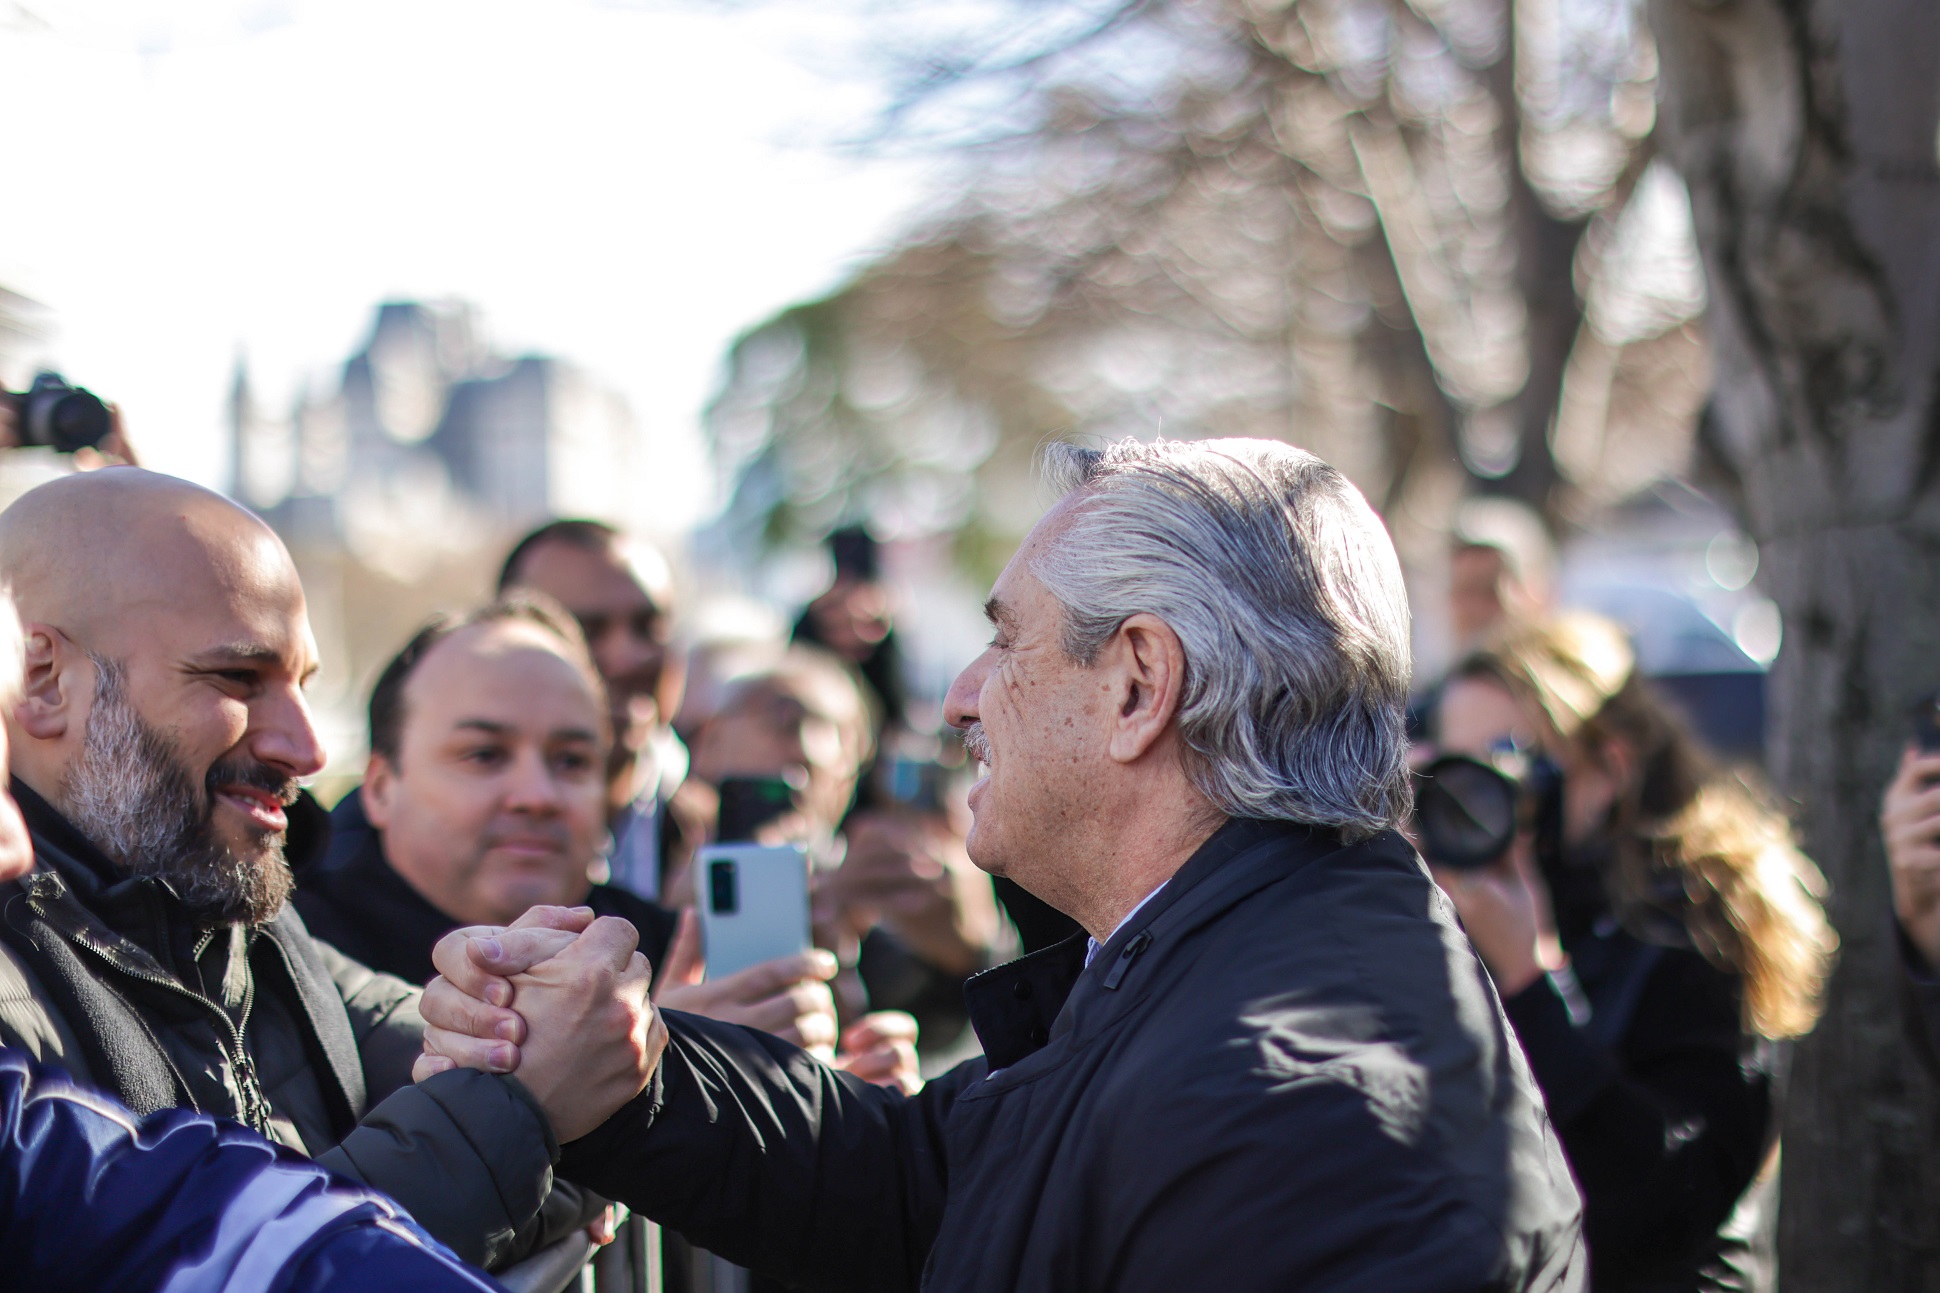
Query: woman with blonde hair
[[1655, 936]]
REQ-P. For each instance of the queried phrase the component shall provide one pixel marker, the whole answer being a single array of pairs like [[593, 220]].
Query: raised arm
[[742, 1142]]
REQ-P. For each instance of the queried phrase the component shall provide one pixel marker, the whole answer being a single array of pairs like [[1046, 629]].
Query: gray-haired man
[[1275, 1064]]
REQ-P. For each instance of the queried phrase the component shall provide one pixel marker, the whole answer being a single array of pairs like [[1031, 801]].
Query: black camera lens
[[62, 417], [723, 888], [1465, 812]]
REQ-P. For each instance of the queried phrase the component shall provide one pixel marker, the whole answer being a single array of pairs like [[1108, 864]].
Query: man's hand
[[1909, 824], [881, 1048], [574, 1021], [910, 873], [788, 997]]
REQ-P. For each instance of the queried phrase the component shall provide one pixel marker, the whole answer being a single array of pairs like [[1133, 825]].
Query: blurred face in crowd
[[852, 617], [797, 727], [162, 708], [622, 596], [1479, 716], [496, 801], [1477, 577], [1032, 716]]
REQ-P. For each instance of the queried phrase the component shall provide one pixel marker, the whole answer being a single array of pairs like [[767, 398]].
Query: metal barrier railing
[[630, 1264]]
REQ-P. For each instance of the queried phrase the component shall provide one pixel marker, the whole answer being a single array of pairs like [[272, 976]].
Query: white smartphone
[[754, 904]]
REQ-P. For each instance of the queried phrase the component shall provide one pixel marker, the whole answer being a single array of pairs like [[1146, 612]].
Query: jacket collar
[[130, 922], [1018, 1008], [60, 843], [142, 910]]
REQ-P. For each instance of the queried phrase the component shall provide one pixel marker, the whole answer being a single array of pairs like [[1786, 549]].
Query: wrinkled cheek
[[1010, 699]]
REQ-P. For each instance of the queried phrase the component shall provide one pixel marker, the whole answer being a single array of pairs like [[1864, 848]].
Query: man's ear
[[380, 789], [48, 706], [1150, 663]]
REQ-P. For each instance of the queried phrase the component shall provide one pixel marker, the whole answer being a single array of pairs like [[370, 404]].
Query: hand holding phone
[[1926, 725]]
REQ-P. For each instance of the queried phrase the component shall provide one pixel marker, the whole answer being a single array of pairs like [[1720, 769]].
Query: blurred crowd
[[1655, 936]]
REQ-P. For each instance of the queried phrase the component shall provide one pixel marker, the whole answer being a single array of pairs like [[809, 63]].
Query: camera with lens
[[60, 417], [1468, 811]]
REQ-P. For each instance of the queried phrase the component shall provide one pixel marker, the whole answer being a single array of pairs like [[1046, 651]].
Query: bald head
[[98, 553], [166, 636]]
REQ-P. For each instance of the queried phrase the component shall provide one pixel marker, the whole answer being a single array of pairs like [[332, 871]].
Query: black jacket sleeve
[[752, 1149], [1922, 990], [469, 1154], [1665, 1130]]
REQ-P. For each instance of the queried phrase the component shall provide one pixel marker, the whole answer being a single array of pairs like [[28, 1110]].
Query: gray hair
[[1284, 589]]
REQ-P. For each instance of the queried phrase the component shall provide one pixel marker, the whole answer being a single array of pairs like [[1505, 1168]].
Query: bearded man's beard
[[129, 792]]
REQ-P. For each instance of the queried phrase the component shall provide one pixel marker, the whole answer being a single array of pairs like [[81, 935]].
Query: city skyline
[[623, 188]]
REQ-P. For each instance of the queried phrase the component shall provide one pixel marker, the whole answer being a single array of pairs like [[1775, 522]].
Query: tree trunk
[[1806, 130]]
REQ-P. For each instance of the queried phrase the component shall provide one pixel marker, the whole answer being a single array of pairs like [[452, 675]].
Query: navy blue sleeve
[[93, 1198]]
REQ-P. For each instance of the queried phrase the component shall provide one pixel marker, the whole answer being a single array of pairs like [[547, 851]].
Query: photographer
[[1652, 931], [53, 415]]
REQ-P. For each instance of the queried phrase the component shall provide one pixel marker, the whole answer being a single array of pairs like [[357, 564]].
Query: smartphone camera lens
[[723, 893]]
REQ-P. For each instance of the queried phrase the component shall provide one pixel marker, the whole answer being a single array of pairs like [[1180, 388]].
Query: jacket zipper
[[255, 1108]]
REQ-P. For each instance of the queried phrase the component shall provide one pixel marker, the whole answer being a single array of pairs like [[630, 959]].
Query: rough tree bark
[[1806, 131]]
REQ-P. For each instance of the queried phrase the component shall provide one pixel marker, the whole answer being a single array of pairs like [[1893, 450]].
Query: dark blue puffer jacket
[[93, 1198]]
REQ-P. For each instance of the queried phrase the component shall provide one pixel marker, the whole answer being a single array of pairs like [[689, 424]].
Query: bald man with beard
[[158, 740]]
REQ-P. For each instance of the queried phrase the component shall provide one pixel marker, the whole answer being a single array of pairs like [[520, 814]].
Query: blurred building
[[431, 442], [400, 482]]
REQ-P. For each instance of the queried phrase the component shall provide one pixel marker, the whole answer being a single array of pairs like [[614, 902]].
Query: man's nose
[[960, 705], [620, 652], [530, 786], [286, 737]]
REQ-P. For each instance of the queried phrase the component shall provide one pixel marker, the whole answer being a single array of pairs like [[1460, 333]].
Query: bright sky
[[621, 185]]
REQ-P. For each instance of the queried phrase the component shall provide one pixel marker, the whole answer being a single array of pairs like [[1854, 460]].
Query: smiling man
[[158, 739], [484, 795], [1274, 1064]]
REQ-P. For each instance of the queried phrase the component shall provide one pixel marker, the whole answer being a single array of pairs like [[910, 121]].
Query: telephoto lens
[[61, 417], [1468, 810], [1465, 812]]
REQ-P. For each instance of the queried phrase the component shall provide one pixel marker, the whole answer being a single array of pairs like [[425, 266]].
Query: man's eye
[[484, 756], [573, 761]]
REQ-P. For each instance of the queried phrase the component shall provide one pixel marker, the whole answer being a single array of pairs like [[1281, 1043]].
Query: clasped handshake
[[560, 999]]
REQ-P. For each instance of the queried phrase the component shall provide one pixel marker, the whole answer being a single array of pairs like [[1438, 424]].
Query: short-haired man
[[157, 743], [1276, 1064], [621, 590], [485, 796]]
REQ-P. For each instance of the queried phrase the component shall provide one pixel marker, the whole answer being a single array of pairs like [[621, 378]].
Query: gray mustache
[[976, 744]]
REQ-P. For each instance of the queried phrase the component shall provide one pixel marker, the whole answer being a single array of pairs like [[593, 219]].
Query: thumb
[[514, 951], [573, 920], [684, 967]]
